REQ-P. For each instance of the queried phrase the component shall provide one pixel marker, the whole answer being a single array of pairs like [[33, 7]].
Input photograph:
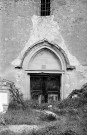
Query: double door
[[45, 85]]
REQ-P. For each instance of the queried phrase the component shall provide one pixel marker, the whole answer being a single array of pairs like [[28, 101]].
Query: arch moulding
[[34, 50], [38, 47]]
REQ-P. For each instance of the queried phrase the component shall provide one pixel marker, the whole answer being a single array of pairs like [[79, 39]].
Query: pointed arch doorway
[[45, 84], [44, 65]]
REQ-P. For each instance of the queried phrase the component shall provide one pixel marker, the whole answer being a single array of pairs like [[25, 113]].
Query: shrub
[[69, 132], [53, 130], [7, 132], [17, 117], [14, 105], [45, 117], [71, 103], [81, 93], [34, 104], [46, 131]]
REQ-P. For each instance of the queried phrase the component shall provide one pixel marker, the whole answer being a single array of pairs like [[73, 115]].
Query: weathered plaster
[[16, 24], [46, 28], [22, 27]]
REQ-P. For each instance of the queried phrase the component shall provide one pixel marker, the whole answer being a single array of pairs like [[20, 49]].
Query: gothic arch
[[53, 48], [30, 54]]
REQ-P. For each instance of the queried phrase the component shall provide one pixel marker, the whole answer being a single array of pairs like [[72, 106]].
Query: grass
[[53, 129], [17, 115], [20, 116], [73, 122], [71, 111]]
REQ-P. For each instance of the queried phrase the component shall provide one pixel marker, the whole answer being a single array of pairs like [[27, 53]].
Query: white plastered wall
[[47, 28]]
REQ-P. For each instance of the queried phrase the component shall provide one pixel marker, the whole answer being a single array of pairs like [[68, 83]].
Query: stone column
[[27, 93], [67, 84], [62, 87]]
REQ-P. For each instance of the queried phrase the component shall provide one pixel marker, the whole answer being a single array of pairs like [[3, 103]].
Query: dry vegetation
[[72, 116]]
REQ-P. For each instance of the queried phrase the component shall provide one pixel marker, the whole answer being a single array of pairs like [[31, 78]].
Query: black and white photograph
[[43, 67]]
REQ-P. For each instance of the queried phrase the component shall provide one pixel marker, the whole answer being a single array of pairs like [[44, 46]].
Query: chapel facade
[[48, 67]]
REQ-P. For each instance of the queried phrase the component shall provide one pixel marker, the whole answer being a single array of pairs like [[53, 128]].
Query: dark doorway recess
[[45, 85]]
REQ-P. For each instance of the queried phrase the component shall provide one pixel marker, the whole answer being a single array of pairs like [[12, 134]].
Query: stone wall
[[20, 22]]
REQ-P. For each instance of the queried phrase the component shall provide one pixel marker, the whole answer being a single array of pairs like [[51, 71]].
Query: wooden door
[[44, 85]]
